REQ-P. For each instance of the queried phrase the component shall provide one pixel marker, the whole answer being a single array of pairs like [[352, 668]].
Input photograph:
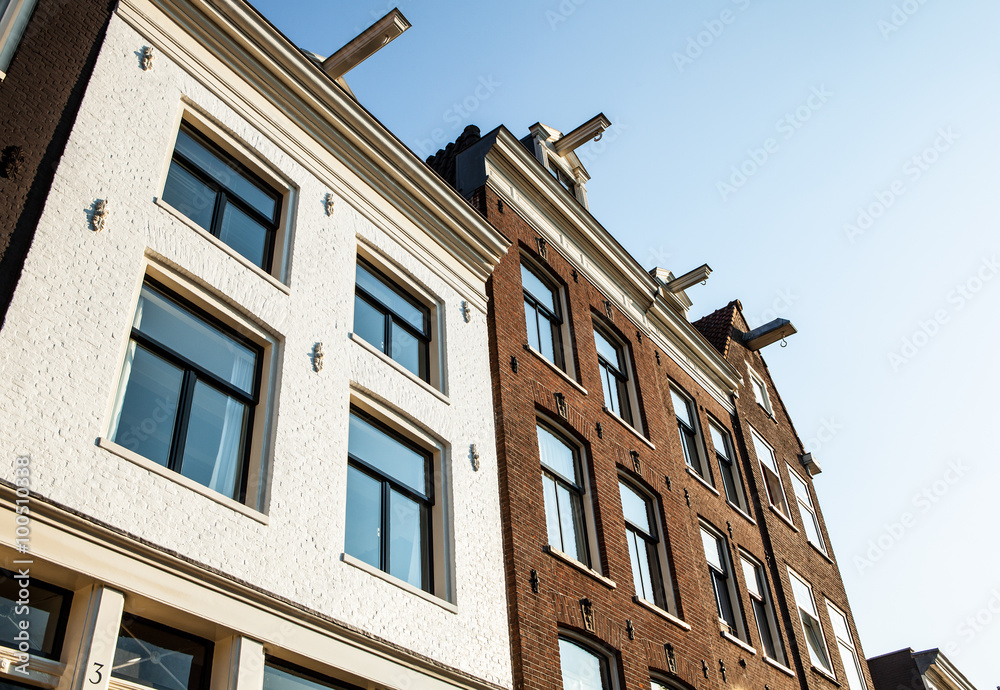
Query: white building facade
[[245, 386]]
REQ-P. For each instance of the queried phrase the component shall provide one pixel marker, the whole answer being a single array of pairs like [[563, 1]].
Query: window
[[159, 657], [281, 675], [760, 391], [14, 16], [564, 179], [716, 553], [728, 469], [613, 363], [769, 467], [389, 496], [188, 392], [582, 669], [388, 318], [763, 609], [543, 316], [848, 654], [563, 487], [684, 409], [643, 545], [807, 512], [223, 196], [809, 617], [44, 609]]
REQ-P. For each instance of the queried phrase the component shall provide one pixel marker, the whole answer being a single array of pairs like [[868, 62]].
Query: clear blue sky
[[885, 105]]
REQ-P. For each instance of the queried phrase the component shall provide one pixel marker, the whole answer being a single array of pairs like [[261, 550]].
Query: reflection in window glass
[[582, 669], [45, 616], [160, 657], [563, 491]]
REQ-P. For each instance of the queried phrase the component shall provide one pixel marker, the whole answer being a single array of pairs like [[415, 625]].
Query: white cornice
[[233, 34]]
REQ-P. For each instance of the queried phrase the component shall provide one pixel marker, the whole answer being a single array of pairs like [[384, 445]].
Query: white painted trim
[[629, 428], [381, 574], [666, 615], [551, 365], [357, 339], [737, 641], [778, 665], [42, 671], [701, 480], [582, 567]]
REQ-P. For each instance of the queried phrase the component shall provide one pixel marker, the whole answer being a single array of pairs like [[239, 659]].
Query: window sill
[[406, 586], [701, 480], [628, 427], [178, 478], [741, 512], [738, 642], [821, 553], [783, 517], [825, 674], [116, 683], [551, 365], [40, 669], [400, 368], [661, 612], [224, 247], [582, 567], [778, 665]]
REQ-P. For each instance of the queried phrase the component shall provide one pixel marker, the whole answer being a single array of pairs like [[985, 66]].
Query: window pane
[[750, 575], [681, 408], [213, 448], [546, 338], [719, 441], [571, 522], [406, 544], [364, 515], [556, 455], [386, 454], [552, 512], [147, 407], [581, 669], [764, 630], [277, 676], [799, 487], [608, 351], [369, 323], [390, 297], [192, 337], [539, 290], [610, 388], [803, 595], [159, 657], [635, 508], [764, 453], [839, 624], [43, 615], [244, 234], [189, 195], [711, 544], [642, 573], [408, 351], [850, 661], [531, 325], [729, 482], [814, 639], [812, 531]]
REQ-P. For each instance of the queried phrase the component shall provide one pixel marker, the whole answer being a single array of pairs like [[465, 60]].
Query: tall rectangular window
[[45, 609], [686, 426], [543, 316], [643, 544], [387, 317], [389, 497], [720, 574], [613, 363], [810, 521], [760, 391], [809, 617], [725, 457], [159, 657], [223, 196], [14, 16], [769, 468], [763, 609], [563, 487], [188, 391], [848, 653]]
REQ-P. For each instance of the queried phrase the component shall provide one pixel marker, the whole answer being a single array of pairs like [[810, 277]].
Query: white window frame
[[13, 24], [608, 660], [775, 469], [706, 474], [759, 388], [546, 276], [767, 601], [738, 629], [846, 645], [809, 619], [666, 574], [807, 510], [741, 503]]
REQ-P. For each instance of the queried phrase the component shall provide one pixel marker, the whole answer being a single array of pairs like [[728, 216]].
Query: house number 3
[[98, 676]]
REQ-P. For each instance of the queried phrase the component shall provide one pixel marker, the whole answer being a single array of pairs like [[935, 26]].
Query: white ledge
[[701, 480], [179, 478], [821, 552], [628, 427], [400, 368], [778, 665], [746, 516], [402, 584], [826, 674], [661, 612], [551, 365], [784, 518], [582, 567], [40, 670], [738, 642]]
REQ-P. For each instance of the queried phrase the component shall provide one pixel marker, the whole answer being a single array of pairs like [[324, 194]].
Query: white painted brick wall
[[62, 349]]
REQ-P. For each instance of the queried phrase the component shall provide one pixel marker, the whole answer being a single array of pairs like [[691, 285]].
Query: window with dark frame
[[223, 196], [583, 668], [46, 614], [389, 499], [725, 457], [563, 489], [763, 609], [160, 657], [188, 391], [388, 318], [772, 480], [719, 573], [611, 358], [643, 544], [543, 316], [282, 675], [684, 411], [567, 182]]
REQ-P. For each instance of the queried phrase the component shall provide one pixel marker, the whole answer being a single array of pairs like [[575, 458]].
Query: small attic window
[[567, 182]]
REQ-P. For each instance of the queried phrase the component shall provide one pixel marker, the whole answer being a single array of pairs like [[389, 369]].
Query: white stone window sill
[[783, 517], [778, 665], [666, 615], [224, 247], [115, 683], [406, 586], [40, 670], [400, 368], [551, 365], [178, 478], [582, 567], [821, 552], [826, 674], [741, 512], [737, 641], [701, 480], [628, 427]]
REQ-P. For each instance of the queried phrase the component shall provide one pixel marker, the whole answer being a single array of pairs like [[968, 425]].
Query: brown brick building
[[659, 519], [47, 53]]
